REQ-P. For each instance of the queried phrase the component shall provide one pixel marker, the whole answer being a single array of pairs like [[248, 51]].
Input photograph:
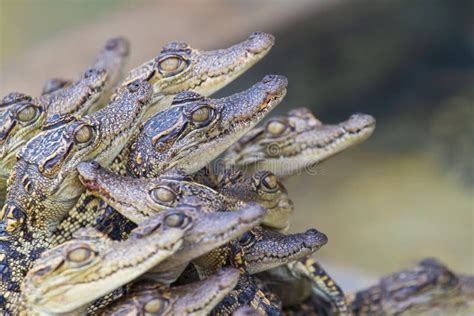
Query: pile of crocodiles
[[114, 206]]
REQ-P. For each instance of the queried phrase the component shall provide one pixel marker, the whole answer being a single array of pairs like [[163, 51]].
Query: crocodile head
[[289, 144], [89, 266], [195, 129], [78, 98], [198, 298], [21, 118], [24, 116], [264, 188], [44, 183], [179, 67], [138, 198], [428, 287], [265, 249]]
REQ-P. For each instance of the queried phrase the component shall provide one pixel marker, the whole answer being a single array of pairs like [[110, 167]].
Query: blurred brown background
[[405, 194]]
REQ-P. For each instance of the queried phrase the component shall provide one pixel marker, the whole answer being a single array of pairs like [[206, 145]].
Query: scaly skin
[[22, 117], [265, 249], [44, 184], [137, 199], [179, 67], [247, 292], [195, 130], [165, 192], [60, 281], [257, 251], [262, 187], [289, 144], [321, 282], [428, 289], [197, 298], [60, 99], [187, 136]]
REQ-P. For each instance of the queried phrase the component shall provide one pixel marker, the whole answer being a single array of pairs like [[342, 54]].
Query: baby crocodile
[[179, 67], [287, 145], [188, 135], [202, 232], [60, 281], [195, 129], [44, 184], [197, 298], [430, 288], [137, 199], [23, 117]]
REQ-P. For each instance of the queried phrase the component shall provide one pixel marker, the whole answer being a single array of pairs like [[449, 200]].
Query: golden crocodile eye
[[246, 239], [28, 113], [177, 220], [155, 306], [79, 254], [269, 182], [276, 128], [163, 194], [202, 114], [84, 134], [171, 64]]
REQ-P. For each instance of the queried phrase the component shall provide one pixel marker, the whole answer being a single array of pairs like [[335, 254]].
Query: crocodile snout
[[259, 42], [314, 238]]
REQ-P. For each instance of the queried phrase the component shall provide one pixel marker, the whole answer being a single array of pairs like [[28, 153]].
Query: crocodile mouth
[[121, 205], [266, 259]]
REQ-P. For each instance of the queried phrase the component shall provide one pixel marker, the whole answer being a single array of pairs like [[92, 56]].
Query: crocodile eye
[[269, 182], [27, 114], [79, 254], [177, 220], [156, 306], [276, 128], [171, 64], [83, 134], [202, 114], [163, 194], [246, 239]]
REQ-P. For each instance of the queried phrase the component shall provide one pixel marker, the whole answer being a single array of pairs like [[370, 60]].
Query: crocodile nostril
[[268, 78], [89, 73]]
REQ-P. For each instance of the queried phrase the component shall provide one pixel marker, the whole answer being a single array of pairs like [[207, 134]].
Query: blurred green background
[[405, 194]]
